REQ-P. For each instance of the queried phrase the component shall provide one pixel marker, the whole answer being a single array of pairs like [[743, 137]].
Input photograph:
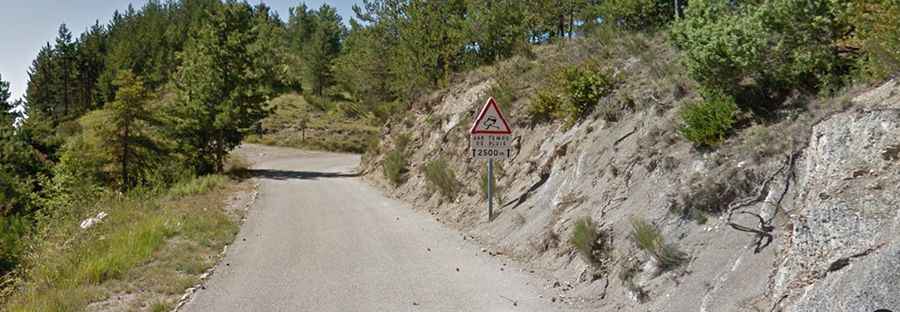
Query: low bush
[[708, 122], [544, 107], [441, 177], [584, 88], [396, 163], [572, 95], [395, 166], [586, 239], [648, 238]]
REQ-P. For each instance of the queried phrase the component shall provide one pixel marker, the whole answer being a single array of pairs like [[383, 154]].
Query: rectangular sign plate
[[491, 146]]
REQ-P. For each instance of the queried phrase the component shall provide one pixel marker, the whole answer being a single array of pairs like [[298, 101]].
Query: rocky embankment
[[812, 226]]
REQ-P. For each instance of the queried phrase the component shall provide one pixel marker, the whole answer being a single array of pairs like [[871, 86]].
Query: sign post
[[490, 139]]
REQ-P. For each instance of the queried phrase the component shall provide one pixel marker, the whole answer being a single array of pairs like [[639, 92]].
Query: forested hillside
[[156, 99]]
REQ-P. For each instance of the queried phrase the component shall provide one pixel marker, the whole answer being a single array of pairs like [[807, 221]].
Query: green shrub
[[572, 96], [877, 25], [544, 107], [395, 162], [585, 238], [403, 141], [772, 45], [648, 238], [708, 122], [584, 88], [441, 177], [395, 166]]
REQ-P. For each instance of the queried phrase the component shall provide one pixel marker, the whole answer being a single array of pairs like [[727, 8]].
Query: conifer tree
[[221, 87]]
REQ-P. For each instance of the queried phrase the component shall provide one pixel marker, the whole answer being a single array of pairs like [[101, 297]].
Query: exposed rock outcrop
[[814, 227]]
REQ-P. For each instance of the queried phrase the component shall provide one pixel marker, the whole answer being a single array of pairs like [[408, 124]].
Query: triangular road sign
[[490, 120]]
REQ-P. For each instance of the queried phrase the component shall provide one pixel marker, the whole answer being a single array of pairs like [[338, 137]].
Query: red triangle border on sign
[[490, 102]]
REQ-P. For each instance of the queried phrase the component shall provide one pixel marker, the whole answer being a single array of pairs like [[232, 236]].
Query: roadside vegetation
[[648, 238], [150, 246], [396, 163], [441, 178], [590, 242]]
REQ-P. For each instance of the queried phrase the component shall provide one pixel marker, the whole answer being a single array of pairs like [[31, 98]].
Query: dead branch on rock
[[633, 131], [763, 234]]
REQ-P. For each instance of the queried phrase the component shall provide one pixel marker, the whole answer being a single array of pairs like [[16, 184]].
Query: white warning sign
[[491, 136]]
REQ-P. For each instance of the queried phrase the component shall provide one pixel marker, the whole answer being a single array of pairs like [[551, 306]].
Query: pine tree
[[92, 47], [316, 35], [41, 94], [129, 116], [221, 87], [5, 106], [64, 55]]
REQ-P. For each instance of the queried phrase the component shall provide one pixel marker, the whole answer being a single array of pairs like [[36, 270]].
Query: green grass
[[441, 177], [197, 185], [153, 246], [585, 238], [649, 239]]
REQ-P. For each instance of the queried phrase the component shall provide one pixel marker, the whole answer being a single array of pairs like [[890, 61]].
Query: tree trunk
[[124, 142]]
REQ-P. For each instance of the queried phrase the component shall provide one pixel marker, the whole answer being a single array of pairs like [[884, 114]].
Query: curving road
[[320, 239]]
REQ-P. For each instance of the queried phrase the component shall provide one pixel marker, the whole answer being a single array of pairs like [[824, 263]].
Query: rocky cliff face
[[799, 215]]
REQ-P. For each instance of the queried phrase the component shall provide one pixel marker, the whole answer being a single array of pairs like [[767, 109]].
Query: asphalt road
[[320, 239]]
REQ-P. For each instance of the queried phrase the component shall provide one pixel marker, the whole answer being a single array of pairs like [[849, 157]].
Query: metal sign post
[[490, 190], [491, 138]]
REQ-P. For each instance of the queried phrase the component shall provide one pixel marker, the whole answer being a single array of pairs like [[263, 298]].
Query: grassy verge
[[149, 249]]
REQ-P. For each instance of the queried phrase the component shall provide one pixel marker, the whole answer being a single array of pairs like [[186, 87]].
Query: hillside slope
[[798, 213]]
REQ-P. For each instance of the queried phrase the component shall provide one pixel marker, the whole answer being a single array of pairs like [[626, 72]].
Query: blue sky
[[26, 25]]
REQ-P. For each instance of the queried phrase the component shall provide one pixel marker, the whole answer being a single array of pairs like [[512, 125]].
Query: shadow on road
[[296, 175]]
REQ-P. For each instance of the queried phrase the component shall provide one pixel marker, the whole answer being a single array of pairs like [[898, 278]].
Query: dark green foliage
[[640, 14], [5, 104], [441, 178], [315, 38], [13, 233], [708, 122], [649, 239], [19, 170], [587, 240]]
